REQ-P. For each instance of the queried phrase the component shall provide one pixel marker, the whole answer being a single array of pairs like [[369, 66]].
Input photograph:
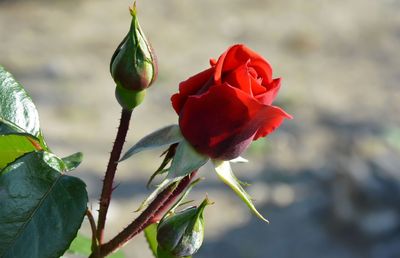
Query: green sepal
[[183, 196], [224, 172], [169, 155], [164, 184], [186, 160], [238, 160], [165, 136]]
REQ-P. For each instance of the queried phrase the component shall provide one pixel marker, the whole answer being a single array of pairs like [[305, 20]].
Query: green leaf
[[165, 136], [82, 245], [12, 147], [19, 121], [18, 114], [117, 254], [150, 233], [224, 172], [185, 161], [41, 208], [72, 161]]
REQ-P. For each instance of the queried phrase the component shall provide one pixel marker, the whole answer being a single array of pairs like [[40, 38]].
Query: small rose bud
[[133, 65], [181, 234]]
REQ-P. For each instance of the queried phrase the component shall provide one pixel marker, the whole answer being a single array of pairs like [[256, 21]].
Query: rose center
[[253, 73]]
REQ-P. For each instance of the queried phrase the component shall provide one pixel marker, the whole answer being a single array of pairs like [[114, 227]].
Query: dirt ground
[[328, 181]]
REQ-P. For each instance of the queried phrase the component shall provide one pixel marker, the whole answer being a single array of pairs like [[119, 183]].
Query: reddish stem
[[107, 190], [155, 210], [95, 246]]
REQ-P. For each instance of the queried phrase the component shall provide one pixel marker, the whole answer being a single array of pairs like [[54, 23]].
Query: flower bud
[[181, 234], [133, 65]]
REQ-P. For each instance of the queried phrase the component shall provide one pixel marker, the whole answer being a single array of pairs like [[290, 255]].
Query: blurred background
[[328, 181]]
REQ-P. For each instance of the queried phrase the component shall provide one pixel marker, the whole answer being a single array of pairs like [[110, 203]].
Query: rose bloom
[[226, 107]]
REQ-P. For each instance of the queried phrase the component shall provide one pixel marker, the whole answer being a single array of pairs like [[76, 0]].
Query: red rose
[[226, 107]]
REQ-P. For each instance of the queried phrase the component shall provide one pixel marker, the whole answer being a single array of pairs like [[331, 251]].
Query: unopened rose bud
[[133, 65], [181, 234]]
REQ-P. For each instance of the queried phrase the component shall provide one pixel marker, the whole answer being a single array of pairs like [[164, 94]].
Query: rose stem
[[95, 246], [160, 204], [110, 172]]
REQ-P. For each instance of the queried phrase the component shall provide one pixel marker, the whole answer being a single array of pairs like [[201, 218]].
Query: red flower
[[226, 107]]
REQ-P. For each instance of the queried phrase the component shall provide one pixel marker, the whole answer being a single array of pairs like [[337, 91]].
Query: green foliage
[[19, 121], [73, 161], [12, 147], [18, 114], [41, 208], [82, 246], [150, 234]]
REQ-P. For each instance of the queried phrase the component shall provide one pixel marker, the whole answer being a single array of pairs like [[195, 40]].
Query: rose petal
[[177, 101], [213, 62], [273, 118], [236, 56], [269, 96], [256, 86], [190, 87], [222, 122], [240, 78], [229, 60], [263, 69], [195, 83]]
